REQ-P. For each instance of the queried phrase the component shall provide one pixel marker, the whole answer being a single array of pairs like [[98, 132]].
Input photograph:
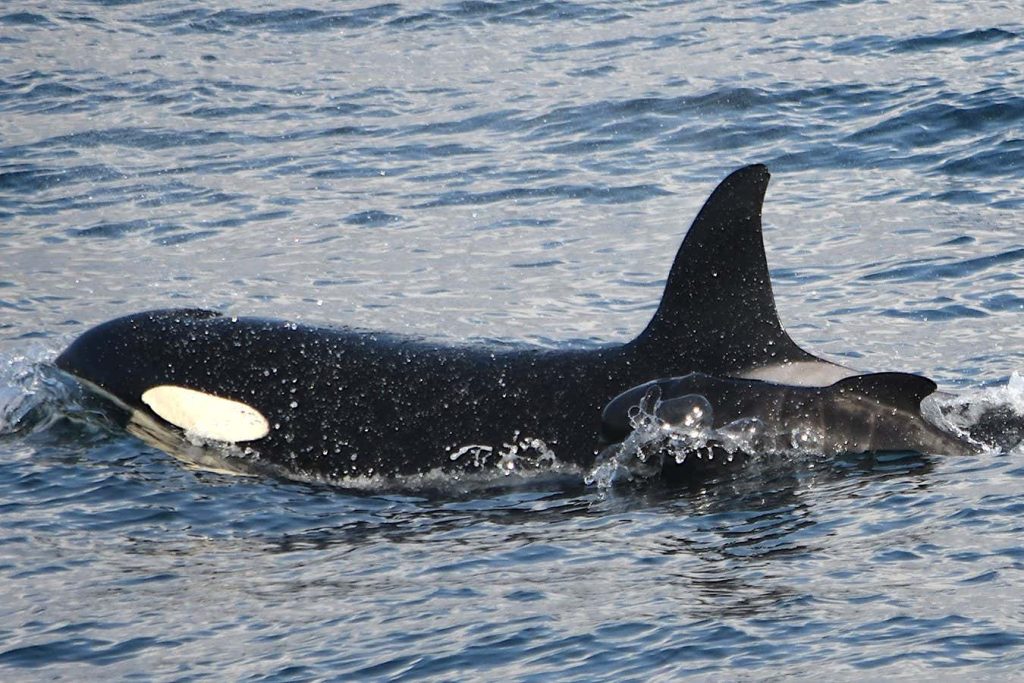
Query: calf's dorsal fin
[[901, 390]]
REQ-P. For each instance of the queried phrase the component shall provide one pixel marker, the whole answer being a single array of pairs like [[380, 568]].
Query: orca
[[338, 402], [727, 418]]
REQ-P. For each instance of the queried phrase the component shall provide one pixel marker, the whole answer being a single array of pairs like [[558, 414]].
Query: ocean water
[[523, 172]]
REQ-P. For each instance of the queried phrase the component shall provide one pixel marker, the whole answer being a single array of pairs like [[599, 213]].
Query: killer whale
[[337, 402], [879, 412]]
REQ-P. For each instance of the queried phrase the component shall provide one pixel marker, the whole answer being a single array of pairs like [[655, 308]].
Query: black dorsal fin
[[718, 311], [897, 389]]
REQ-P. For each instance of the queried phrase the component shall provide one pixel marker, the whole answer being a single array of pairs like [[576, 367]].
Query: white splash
[[993, 416], [521, 454], [30, 395], [677, 429]]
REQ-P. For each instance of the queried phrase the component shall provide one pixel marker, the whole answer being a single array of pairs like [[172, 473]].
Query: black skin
[[863, 413], [382, 404], [400, 406]]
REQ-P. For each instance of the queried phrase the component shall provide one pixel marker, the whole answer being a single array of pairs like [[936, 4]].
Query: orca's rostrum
[[335, 402]]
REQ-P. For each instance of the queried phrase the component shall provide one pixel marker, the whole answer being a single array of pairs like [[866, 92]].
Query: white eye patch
[[206, 415]]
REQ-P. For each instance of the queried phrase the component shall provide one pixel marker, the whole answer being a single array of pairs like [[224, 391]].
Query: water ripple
[[958, 269], [509, 170]]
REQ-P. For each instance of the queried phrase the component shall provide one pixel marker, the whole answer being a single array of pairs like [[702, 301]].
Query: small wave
[[998, 158], [304, 20], [942, 119], [954, 38], [925, 272], [993, 416], [373, 218], [33, 179], [943, 313], [527, 12], [25, 19], [586, 193], [951, 39], [30, 394], [297, 20], [40, 404]]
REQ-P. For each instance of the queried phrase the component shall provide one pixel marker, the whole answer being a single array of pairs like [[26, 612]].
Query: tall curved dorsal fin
[[718, 310]]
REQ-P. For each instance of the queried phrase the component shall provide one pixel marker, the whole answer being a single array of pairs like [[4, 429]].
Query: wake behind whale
[[335, 402]]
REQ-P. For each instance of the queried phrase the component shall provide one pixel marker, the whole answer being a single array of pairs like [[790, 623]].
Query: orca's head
[[145, 363]]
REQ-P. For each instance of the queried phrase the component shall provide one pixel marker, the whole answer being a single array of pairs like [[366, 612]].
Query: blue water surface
[[522, 172]]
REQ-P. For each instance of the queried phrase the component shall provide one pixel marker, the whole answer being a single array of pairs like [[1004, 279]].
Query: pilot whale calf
[[336, 402], [863, 413]]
